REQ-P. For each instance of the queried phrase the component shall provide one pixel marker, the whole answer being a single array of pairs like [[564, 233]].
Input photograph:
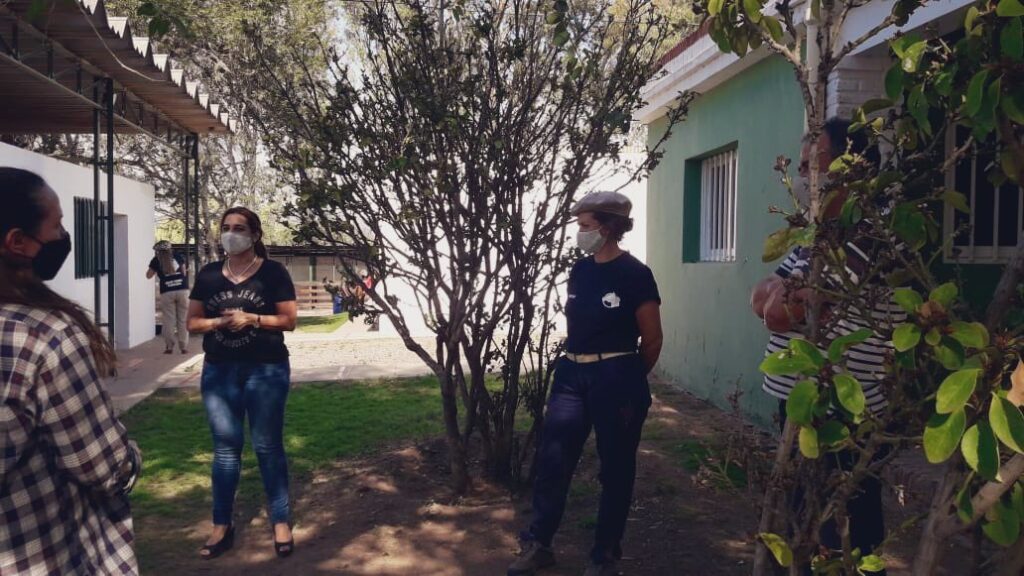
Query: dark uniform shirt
[[259, 294], [175, 280], [602, 304]]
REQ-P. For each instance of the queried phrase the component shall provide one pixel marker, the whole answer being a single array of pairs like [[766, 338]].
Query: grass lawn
[[323, 423], [321, 324]]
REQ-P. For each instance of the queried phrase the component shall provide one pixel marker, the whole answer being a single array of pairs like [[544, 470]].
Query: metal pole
[[97, 248], [195, 204], [110, 210], [186, 207]]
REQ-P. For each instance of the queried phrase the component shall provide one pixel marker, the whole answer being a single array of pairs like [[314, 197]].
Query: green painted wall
[[713, 343]]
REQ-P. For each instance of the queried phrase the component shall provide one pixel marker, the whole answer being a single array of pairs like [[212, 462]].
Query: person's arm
[[759, 295], [284, 319], [78, 422], [648, 319], [197, 322]]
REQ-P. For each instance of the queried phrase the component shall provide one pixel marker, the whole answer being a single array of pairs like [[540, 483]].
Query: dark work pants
[[864, 509], [612, 397]]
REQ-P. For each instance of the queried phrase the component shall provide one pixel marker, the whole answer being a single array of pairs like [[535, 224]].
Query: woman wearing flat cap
[[614, 339]]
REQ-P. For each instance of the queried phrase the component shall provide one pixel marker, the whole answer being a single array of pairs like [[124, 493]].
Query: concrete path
[[350, 353]]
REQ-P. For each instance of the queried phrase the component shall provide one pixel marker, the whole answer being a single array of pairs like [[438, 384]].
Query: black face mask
[[51, 256]]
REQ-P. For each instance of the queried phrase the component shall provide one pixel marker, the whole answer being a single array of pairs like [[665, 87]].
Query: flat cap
[[607, 202]]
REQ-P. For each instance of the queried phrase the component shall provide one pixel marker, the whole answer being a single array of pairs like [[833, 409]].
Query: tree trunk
[[456, 447], [774, 494]]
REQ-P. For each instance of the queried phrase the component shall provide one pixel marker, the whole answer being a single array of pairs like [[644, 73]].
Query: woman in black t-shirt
[[173, 274], [614, 339], [242, 305]]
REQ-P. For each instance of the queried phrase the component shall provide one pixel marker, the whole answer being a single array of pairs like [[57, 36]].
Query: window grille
[[718, 208], [87, 232], [988, 234]]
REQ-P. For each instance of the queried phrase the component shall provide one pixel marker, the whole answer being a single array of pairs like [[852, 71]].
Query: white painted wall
[[133, 242]]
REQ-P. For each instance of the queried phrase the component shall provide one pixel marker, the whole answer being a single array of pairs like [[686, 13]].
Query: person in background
[[66, 463], [242, 305], [614, 340], [173, 274], [780, 299]]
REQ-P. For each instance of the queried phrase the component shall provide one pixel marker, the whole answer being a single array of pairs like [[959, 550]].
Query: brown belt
[[591, 358]]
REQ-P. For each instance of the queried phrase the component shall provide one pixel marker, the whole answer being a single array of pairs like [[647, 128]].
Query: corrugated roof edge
[[144, 47], [684, 44]]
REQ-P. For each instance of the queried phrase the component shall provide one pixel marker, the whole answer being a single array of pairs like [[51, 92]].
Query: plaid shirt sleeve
[[19, 410], [77, 419]]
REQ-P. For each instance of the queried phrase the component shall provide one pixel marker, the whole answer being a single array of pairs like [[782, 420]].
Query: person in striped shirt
[[779, 301]]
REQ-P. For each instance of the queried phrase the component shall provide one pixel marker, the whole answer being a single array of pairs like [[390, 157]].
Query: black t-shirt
[[602, 304], [176, 280], [257, 295]]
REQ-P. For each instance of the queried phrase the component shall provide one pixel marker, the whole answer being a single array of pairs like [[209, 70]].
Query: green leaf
[[972, 15], [1007, 423], [850, 393], [841, 344], [918, 106], [801, 401], [1011, 40], [777, 245], [950, 354], [871, 563], [785, 362], [894, 82], [715, 7], [561, 38], [971, 335], [753, 10], [1013, 107], [944, 294], [554, 17], [833, 433], [908, 299], [1009, 8], [1017, 499], [779, 549], [876, 104], [976, 93], [933, 337], [980, 450], [964, 507], [906, 337], [147, 9], [956, 390], [809, 442], [957, 200], [1003, 525], [910, 224], [942, 435], [773, 26], [805, 348], [911, 57]]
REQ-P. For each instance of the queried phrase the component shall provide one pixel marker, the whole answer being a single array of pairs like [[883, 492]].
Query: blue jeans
[[612, 397], [230, 391]]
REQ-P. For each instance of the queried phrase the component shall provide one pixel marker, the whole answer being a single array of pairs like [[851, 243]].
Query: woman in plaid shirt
[[66, 464]]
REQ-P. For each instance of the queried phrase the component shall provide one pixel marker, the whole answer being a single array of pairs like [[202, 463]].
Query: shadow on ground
[[391, 513]]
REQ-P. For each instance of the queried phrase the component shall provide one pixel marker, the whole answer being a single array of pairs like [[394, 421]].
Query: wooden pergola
[[75, 69]]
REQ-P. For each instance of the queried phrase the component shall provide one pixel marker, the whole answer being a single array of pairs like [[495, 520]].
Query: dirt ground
[[393, 514]]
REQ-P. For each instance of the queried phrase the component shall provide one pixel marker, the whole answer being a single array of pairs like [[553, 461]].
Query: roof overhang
[[48, 70], [697, 65]]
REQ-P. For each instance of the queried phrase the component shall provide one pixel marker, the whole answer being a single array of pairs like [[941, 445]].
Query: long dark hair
[[255, 226], [21, 191]]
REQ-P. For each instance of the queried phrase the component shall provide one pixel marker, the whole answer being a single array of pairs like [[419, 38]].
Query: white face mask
[[589, 241], [235, 242]]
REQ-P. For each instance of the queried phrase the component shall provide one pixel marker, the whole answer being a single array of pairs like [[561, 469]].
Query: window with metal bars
[[88, 231], [988, 233], [718, 207]]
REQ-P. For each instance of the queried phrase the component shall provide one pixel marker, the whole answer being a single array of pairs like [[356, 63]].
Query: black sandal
[[284, 549], [211, 551]]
